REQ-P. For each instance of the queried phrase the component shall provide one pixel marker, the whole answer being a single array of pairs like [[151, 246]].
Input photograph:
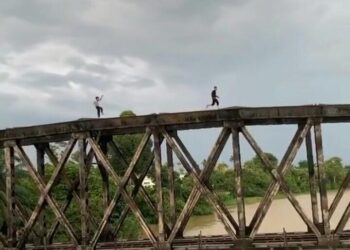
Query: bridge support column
[[322, 179], [312, 179], [104, 175], [83, 192], [40, 161], [10, 196], [158, 174], [238, 182], [170, 162]]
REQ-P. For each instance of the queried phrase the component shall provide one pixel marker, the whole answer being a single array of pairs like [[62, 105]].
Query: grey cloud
[[284, 52]]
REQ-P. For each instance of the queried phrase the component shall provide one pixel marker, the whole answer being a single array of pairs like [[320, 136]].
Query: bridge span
[[93, 140]]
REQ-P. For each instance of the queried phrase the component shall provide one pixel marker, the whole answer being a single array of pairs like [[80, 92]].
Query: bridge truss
[[94, 140]]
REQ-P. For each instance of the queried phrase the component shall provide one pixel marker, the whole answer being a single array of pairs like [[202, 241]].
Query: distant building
[[148, 182]]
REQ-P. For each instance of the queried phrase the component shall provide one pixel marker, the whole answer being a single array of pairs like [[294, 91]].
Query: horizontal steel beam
[[177, 121], [262, 241]]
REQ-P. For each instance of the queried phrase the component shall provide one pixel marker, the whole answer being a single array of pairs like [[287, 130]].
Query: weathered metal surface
[[343, 187], [275, 185], [83, 188], [10, 196], [170, 165], [261, 241], [178, 121], [202, 187], [45, 190], [278, 178], [165, 126], [312, 178], [40, 164], [159, 188], [238, 182], [322, 179]]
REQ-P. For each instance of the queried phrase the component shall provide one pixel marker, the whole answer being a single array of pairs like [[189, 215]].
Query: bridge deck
[[178, 121]]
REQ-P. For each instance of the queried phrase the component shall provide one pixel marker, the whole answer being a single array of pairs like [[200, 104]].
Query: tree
[[334, 172], [303, 164], [255, 176], [128, 145]]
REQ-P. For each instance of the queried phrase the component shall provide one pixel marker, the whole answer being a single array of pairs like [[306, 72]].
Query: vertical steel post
[[312, 178], [83, 192], [158, 172], [170, 161], [40, 161], [322, 179], [238, 182], [10, 196], [104, 175]]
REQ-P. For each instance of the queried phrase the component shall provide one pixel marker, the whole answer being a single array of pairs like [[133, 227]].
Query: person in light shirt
[[98, 106]]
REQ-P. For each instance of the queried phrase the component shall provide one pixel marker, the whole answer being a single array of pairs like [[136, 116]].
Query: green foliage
[[128, 145]]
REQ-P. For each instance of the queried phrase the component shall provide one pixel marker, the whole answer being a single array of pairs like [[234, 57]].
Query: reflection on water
[[280, 215]]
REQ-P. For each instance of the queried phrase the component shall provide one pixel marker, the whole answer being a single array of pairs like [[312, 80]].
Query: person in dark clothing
[[98, 106], [214, 98]]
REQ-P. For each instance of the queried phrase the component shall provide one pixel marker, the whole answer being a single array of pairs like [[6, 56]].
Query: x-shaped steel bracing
[[121, 183], [45, 193]]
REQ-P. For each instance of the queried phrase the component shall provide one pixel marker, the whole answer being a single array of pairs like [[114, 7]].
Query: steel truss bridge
[[93, 138]]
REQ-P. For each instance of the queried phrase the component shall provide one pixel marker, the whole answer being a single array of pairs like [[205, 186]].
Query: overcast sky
[[165, 56]]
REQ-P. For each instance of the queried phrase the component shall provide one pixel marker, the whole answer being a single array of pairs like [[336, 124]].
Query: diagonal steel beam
[[280, 179], [53, 229], [198, 171], [339, 194], [203, 188], [53, 180], [51, 202], [121, 183], [72, 188], [147, 198], [72, 185], [183, 218], [106, 164], [20, 211], [344, 219], [134, 193], [138, 186], [282, 170]]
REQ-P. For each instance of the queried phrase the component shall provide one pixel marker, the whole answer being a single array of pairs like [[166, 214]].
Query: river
[[280, 215]]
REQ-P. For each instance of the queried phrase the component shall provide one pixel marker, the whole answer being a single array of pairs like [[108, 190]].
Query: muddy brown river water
[[280, 215]]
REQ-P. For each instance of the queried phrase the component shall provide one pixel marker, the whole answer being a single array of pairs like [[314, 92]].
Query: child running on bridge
[[214, 98], [98, 106]]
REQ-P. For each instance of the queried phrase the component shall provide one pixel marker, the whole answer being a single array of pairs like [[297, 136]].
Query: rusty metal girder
[[164, 127]]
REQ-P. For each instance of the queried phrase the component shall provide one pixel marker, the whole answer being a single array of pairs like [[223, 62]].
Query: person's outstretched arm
[[101, 97]]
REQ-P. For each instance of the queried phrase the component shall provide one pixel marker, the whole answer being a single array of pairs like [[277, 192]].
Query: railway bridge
[[93, 140]]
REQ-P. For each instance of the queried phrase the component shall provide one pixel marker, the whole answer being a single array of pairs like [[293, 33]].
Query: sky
[[155, 56]]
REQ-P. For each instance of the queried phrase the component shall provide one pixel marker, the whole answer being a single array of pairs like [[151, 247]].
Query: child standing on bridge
[[98, 106], [214, 98]]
